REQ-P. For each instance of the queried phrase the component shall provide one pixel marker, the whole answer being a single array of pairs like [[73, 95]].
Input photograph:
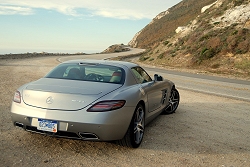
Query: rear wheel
[[134, 135], [174, 100]]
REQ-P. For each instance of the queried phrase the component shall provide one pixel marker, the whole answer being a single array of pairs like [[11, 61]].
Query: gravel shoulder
[[206, 130]]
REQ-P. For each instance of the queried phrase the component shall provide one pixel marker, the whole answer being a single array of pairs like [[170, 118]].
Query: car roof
[[121, 64]]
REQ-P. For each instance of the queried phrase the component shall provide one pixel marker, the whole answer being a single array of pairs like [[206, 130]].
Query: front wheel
[[134, 135], [174, 100]]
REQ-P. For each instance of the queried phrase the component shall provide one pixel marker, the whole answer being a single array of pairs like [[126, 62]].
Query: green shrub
[[160, 56], [206, 54], [235, 32], [166, 42], [173, 54], [238, 2], [169, 45], [143, 58]]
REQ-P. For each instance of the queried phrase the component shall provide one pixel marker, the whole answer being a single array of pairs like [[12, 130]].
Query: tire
[[135, 132], [174, 100]]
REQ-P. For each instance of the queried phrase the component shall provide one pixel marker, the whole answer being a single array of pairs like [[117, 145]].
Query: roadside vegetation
[[211, 46]]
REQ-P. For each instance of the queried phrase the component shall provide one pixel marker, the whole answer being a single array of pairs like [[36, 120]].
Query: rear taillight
[[17, 97], [107, 106]]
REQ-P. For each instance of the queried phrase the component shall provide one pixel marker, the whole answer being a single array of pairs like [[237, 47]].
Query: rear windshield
[[88, 72]]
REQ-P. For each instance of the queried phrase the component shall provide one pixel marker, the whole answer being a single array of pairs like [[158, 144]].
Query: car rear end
[[61, 106]]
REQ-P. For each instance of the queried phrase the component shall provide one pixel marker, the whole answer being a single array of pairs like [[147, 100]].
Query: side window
[[141, 75]]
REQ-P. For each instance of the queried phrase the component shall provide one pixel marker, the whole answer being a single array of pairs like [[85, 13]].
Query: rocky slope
[[209, 35], [165, 23], [116, 48]]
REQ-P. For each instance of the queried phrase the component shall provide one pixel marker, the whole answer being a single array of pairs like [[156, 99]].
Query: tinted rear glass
[[88, 72]]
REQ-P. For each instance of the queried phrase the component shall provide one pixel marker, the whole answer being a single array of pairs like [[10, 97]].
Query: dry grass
[[228, 65], [223, 51]]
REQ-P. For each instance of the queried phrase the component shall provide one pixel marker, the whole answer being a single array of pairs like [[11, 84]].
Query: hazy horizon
[[23, 51], [73, 26]]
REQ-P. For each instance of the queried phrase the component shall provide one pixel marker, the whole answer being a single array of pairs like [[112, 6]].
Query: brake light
[[107, 106], [17, 97]]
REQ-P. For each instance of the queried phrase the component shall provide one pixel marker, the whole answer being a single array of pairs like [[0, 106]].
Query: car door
[[154, 90]]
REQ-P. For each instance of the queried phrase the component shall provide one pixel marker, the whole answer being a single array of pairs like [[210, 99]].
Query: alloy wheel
[[139, 125], [173, 101]]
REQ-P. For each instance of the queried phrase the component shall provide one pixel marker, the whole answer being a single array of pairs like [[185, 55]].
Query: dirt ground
[[206, 130]]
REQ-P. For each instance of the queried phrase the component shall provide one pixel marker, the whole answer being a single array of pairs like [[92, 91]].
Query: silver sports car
[[96, 100]]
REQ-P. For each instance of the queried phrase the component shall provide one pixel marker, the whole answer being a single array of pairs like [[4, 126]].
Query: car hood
[[59, 94]]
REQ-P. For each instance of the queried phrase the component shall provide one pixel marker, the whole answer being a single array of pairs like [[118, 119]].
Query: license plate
[[47, 125]]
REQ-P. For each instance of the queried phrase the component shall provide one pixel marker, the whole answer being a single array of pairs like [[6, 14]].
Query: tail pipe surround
[[88, 136]]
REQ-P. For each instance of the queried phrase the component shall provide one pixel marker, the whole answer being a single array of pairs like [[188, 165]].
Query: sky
[[72, 26]]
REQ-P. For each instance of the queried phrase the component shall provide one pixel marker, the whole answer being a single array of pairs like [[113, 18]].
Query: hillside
[[208, 35], [165, 24], [116, 48]]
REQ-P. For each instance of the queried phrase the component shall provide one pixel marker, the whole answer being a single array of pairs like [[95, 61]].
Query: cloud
[[68, 11], [120, 13], [130, 9], [12, 10]]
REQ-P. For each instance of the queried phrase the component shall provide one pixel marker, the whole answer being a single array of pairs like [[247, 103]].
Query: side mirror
[[158, 77]]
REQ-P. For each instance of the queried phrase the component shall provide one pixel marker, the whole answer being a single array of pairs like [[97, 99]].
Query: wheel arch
[[142, 103], [173, 86]]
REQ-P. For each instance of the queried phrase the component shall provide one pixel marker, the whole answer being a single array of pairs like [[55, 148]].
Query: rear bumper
[[104, 126]]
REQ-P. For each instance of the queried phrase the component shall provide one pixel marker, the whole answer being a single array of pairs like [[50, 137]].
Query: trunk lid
[[59, 94]]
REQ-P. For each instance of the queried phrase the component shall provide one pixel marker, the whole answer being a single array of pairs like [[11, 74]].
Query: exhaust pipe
[[18, 124], [88, 136]]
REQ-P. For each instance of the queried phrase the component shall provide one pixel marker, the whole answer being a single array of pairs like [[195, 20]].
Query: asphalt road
[[102, 56], [231, 88]]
